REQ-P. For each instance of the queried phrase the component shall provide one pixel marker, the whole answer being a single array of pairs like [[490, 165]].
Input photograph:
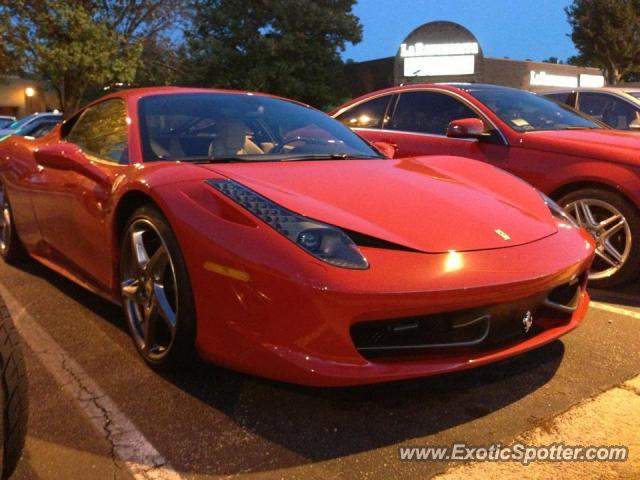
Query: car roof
[[465, 87], [152, 91], [594, 89]]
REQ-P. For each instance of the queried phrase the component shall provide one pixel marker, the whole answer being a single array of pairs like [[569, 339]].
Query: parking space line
[[613, 309], [140, 457]]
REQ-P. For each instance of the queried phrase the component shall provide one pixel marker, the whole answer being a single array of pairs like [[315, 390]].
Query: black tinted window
[[613, 111], [564, 97], [101, 131], [370, 114], [428, 112]]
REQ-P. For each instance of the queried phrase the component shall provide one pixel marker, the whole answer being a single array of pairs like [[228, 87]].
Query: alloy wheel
[[149, 290], [611, 231], [5, 220]]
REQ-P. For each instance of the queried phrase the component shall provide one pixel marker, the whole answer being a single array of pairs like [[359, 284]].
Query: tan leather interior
[[232, 139]]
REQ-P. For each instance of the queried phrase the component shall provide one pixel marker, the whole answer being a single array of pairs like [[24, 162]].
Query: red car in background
[[593, 172], [273, 240]]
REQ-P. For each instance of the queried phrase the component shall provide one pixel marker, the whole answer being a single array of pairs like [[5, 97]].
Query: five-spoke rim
[[149, 289], [5, 220], [611, 231]]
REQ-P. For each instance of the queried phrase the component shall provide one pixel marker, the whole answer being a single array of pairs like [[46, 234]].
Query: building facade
[[443, 52], [20, 97]]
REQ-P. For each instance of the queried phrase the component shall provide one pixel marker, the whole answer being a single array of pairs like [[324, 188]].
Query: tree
[[287, 47], [607, 35], [555, 60], [77, 46]]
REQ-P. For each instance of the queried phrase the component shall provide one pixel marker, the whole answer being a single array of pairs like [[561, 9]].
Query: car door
[[71, 205], [615, 112], [419, 121]]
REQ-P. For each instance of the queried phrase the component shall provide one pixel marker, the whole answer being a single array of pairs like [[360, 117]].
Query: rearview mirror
[[68, 156], [467, 128], [386, 148]]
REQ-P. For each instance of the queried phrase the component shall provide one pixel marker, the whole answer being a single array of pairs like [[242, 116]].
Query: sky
[[518, 29]]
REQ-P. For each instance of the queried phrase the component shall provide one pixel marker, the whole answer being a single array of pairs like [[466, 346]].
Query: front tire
[[156, 292], [615, 225], [10, 247]]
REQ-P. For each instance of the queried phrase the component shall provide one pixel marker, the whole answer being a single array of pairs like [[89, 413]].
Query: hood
[[430, 204], [599, 144]]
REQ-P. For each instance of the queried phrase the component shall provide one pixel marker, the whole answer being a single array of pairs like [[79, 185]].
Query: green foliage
[[607, 35], [80, 45], [287, 47]]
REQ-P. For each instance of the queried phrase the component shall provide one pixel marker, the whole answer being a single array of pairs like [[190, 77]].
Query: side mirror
[[61, 156], [467, 128], [387, 149], [68, 156]]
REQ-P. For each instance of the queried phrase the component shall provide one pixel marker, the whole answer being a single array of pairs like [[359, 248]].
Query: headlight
[[558, 212], [325, 242]]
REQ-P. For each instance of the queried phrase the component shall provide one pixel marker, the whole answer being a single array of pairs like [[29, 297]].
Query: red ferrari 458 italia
[[271, 239], [593, 172]]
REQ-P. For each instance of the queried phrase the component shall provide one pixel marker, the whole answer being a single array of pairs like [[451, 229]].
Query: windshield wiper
[[580, 128], [330, 156], [229, 159]]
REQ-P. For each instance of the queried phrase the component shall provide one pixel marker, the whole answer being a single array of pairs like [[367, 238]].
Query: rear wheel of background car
[[614, 223], [13, 395], [156, 292], [10, 247]]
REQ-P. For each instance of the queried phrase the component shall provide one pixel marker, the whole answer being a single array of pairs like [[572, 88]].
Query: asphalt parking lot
[[212, 423]]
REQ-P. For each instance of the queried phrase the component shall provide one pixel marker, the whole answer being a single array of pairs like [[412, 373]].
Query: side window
[[611, 110], [101, 131], [369, 114], [428, 112], [565, 97], [621, 115]]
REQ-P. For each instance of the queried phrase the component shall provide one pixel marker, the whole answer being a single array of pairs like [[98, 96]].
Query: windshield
[[524, 111], [238, 127], [21, 122]]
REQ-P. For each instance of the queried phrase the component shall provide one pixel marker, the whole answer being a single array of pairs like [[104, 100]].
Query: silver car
[[618, 107]]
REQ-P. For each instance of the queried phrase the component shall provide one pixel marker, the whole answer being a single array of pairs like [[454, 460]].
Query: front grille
[[475, 329]]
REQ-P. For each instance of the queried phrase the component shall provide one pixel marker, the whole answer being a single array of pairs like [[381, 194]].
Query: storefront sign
[[438, 49], [543, 79], [591, 81], [439, 66]]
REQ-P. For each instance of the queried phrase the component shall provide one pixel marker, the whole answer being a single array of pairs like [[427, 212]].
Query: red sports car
[[271, 239], [591, 171]]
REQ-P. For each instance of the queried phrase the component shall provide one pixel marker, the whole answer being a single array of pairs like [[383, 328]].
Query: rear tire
[[614, 223], [156, 292], [11, 249], [13, 394]]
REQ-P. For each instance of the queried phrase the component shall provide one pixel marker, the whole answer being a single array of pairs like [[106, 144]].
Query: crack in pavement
[[128, 445]]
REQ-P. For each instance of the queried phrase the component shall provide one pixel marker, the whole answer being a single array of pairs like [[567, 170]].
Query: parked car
[[5, 121], [592, 171], [617, 107], [34, 125], [273, 240], [13, 395]]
